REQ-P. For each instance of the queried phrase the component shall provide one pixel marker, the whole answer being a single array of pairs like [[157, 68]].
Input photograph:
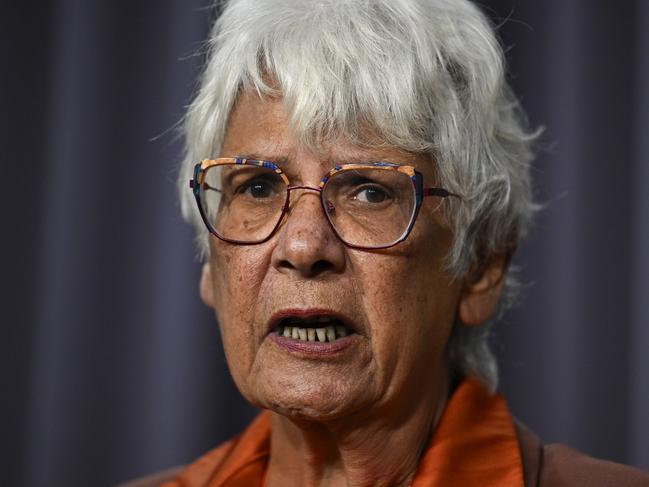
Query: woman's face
[[398, 303]]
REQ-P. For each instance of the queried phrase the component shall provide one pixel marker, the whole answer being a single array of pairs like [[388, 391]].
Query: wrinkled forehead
[[259, 127], [320, 128]]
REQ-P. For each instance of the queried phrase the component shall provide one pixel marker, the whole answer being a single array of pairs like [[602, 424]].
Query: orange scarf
[[475, 443]]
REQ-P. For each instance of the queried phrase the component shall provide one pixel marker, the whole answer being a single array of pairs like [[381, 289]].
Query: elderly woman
[[359, 174]]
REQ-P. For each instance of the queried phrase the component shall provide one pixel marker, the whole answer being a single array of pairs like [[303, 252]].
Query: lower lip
[[313, 348]]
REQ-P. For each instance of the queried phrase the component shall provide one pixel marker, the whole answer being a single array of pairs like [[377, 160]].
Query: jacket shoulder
[[562, 465]]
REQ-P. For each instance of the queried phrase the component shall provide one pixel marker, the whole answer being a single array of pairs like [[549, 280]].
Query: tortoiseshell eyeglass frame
[[415, 176]]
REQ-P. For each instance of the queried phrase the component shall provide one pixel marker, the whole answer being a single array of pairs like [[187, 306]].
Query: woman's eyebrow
[[280, 160]]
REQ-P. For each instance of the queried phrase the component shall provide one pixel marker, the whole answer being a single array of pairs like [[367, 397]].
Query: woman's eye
[[258, 189], [371, 194]]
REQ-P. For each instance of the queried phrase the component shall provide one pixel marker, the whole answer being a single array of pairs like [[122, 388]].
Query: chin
[[304, 400]]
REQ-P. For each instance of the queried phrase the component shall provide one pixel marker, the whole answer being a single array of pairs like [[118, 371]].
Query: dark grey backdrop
[[112, 367]]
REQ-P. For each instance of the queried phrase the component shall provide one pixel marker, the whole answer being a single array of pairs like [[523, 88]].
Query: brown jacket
[[558, 465]]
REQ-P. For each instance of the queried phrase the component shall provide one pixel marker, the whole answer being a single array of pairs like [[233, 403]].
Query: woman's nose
[[307, 245]]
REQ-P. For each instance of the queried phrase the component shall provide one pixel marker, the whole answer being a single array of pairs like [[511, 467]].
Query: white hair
[[425, 75]]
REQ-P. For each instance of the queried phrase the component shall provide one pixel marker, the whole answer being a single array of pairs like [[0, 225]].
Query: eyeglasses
[[368, 205]]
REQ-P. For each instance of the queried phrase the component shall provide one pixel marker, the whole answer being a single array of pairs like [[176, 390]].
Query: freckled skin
[[338, 416]]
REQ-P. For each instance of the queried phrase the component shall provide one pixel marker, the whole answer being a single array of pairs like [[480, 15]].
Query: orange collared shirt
[[475, 443]]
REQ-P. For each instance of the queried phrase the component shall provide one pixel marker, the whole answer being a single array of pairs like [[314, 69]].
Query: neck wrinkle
[[359, 452]]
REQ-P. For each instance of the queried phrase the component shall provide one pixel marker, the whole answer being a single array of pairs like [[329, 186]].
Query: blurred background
[[112, 367]]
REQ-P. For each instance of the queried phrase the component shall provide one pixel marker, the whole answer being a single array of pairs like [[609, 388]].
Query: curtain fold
[[639, 340]]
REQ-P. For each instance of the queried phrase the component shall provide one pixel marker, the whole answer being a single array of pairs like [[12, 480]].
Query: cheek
[[237, 273], [410, 303]]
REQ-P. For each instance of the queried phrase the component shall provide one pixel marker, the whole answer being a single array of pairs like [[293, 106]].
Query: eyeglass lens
[[367, 207]]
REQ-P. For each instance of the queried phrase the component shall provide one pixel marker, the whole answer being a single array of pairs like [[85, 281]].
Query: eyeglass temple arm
[[441, 192], [205, 185]]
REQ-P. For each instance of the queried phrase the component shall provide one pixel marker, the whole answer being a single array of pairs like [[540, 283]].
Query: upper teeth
[[327, 333]]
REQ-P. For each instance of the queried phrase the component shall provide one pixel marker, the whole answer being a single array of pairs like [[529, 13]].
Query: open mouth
[[317, 329]]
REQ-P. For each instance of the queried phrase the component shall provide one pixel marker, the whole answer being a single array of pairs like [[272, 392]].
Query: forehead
[[260, 128]]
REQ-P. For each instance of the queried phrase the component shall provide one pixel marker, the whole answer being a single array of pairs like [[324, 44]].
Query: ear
[[482, 292], [207, 286]]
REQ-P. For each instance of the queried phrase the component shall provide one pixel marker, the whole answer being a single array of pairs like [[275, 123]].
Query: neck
[[379, 447]]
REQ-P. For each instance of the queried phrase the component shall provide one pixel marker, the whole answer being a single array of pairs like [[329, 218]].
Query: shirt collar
[[475, 443]]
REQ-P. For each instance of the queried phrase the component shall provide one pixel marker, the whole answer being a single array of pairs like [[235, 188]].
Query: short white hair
[[425, 75]]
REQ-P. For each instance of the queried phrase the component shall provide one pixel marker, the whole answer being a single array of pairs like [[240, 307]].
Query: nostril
[[285, 264], [321, 266], [314, 269]]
